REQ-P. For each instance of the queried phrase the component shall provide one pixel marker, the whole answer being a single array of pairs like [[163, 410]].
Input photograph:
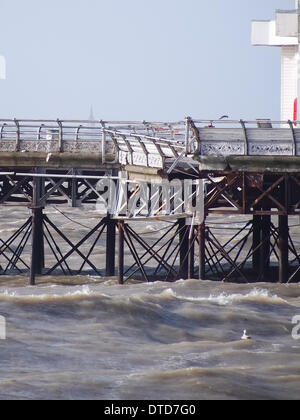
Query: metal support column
[[37, 245], [283, 245], [121, 252], [110, 247], [191, 256], [201, 242], [256, 242], [184, 248], [74, 190], [265, 249]]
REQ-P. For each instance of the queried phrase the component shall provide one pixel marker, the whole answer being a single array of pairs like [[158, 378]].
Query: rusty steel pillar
[[265, 247], [40, 265], [261, 243], [74, 192], [121, 252], [201, 242], [110, 247], [256, 243], [283, 245], [37, 244], [191, 257], [184, 248]]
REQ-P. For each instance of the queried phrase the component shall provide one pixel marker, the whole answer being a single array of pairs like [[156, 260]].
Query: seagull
[[245, 336], [48, 157]]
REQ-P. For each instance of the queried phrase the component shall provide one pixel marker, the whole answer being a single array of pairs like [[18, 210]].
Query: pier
[[243, 175]]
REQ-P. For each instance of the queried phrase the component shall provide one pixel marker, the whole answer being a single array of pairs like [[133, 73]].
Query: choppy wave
[[26, 294], [88, 337], [223, 299], [257, 295], [179, 340]]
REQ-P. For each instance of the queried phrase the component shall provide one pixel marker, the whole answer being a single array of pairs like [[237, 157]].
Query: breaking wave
[[256, 295], [79, 293]]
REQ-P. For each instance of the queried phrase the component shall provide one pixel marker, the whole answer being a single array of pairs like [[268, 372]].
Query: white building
[[284, 32]]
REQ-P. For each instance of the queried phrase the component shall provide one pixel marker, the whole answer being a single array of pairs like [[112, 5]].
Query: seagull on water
[[245, 336]]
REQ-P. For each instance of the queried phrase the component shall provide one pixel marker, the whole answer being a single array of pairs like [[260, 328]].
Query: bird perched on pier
[[245, 336]]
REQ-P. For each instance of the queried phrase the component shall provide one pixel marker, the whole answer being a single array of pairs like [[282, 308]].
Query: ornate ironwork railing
[[150, 143]]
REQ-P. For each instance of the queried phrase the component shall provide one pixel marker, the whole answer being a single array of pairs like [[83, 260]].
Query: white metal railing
[[150, 143], [134, 142]]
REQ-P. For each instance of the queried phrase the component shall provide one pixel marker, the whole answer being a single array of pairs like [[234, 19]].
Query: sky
[[137, 59]]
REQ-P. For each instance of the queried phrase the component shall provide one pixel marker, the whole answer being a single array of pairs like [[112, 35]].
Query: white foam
[[60, 292], [42, 294], [223, 299]]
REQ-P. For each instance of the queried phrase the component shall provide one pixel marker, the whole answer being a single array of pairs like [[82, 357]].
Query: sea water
[[150, 341], [90, 338]]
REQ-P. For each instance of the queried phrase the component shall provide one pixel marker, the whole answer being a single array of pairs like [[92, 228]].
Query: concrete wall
[[264, 34]]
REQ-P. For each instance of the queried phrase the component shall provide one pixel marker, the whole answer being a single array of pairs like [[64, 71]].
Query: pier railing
[[135, 143], [149, 144]]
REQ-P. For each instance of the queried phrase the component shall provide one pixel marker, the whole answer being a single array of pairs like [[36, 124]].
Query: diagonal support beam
[[221, 191], [75, 248], [267, 194], [16, 188]]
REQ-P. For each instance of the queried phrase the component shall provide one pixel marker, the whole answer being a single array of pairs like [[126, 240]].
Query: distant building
[[92, 118], [284, 32]]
